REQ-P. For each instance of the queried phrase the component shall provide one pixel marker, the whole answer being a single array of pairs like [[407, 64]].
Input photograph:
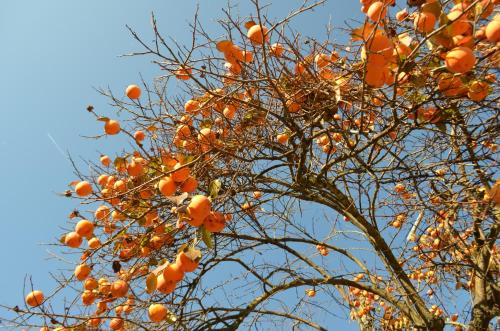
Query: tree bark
[[481, 317], [485, 296]]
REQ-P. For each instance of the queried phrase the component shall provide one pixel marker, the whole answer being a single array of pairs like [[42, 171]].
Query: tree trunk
[[481, 317], [485, 296]]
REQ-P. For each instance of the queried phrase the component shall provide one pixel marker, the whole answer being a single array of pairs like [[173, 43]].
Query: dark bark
[[482, 314], [436, 324]]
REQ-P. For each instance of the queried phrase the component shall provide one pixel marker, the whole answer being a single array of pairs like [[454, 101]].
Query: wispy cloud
[[57, 145]]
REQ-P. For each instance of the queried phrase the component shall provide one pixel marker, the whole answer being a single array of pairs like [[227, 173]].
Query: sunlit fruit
[[101, 212], [133, 92], [377, 11], [282, 138], [90, 284], [199, 207], [188, 259], [183, 73], [460, 24], [116, 324], [402, 15], [73, 240], [206, 137], [181, 173], [460, 60], [84, 228], [192, 106], [258, 34], [83, 188], [277, 49], [119, 288], [157, 312], [310, 293], [380, 44], [173, 272], [120, 186], [82, 271], [139, 135], [34, 298], [94, 243], [112, 127], [105, 160], [229, 112], [165, 286], [88, 297], [214, 222], [183, 132], [167, 186], [322, 60], [135, 167], [189, 185], [478, 90], [424, 22], [492, 31]]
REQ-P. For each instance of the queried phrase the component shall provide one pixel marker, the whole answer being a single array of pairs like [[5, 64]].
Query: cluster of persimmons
[[131, 194]]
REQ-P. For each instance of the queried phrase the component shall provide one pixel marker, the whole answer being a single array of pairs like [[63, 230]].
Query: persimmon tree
[[289, 176]]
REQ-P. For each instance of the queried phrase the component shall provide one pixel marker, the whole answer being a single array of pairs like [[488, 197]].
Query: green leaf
[[248, 116], [103, 119], [144, 241], [214, 188], [141, 221], [188, 158], [338, 96], [151, 282], [121, 232], [205, 123], [207, 237], [496, 211], [179, 199], [478, 10], [433, 7], [152, 261], [120, 162], [418, 80], [154, 162], [443, 20], [448, 112], [117, 247], [171, 318], [169, 228], [441, 127]]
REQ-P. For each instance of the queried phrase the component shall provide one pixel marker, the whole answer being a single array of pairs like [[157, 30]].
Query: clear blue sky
[[53, 53]]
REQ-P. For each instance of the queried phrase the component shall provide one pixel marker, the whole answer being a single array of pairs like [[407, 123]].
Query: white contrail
[[57, 146], [413, 230]]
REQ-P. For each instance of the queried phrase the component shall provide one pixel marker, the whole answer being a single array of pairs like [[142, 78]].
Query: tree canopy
[[289, 177]]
